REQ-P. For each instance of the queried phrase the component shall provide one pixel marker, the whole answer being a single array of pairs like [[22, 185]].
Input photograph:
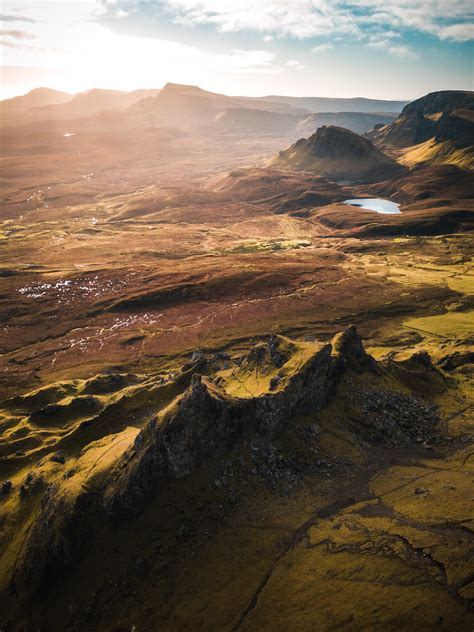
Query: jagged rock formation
[[206, 422], [340, 155]]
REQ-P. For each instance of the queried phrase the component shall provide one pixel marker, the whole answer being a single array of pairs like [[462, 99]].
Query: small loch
[[379, 205]]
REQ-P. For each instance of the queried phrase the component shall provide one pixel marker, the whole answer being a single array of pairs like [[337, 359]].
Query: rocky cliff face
[[445, 115], [114, 479], [457, 127], [205, 421], [442, 101]]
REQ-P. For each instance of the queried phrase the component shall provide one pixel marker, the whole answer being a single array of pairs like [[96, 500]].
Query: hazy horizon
[[236, 94], [391, 50]]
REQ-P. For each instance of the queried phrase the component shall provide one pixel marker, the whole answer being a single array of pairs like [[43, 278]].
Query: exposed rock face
[[340, 155], [350, 351], [205, 421], [457, 127], [441, 101], [114, 476], [445, 115]]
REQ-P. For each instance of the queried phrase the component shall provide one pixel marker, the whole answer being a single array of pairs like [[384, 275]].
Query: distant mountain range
[[326, 104], [435, 129], [35, 98], [44, 104], [358, 122], [190, 106]]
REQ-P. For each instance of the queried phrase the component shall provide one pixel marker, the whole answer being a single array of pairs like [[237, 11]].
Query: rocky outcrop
[[456, 127], [350, 352], [205, 422], [114, 477]]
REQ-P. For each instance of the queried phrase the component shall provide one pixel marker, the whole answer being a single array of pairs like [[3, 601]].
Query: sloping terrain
[[35, 98], [193, 435], [339, 154], [436, 129], [270, 433], [190, 107], [281, 191], [43, 104]]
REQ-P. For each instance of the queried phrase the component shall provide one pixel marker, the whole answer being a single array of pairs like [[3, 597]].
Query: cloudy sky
[[388, 49]]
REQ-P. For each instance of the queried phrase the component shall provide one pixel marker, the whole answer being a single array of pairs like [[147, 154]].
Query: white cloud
[[379, 43], [402, 51], [321, 48], [445, 19], [16, 18], [384, 42], [427, 16], [380, 39], [89, 54], [294, 63], [300, 19], [457, 32]]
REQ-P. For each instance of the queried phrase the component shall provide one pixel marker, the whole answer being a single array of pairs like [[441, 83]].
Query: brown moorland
[[193, 435]]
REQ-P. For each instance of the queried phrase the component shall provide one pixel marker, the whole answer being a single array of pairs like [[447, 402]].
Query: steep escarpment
[[206, 420], [261, 394], [424, 118], [340, 155], [436, 129]]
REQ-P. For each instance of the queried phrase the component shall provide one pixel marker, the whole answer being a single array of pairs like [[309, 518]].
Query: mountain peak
[[183, 89], [37, 97], [340, 154]]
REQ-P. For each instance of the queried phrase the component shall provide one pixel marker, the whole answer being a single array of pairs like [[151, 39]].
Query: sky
[[387, 49]]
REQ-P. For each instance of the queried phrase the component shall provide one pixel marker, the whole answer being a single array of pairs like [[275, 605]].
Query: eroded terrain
[[180, 447]]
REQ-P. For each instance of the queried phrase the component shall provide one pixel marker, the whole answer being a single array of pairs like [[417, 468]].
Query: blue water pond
[[379, 205]]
